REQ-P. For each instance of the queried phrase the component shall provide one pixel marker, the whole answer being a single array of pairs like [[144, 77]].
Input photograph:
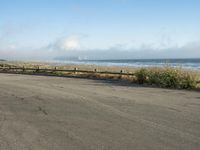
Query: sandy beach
[[51, 113]]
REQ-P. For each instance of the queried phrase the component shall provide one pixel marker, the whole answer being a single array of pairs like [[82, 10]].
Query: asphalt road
[[54, 113]]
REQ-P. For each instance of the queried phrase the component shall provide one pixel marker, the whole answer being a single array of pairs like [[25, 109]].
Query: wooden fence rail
[[75, 70]]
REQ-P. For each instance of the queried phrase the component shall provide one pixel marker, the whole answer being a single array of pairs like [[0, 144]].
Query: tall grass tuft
[[166, 77]]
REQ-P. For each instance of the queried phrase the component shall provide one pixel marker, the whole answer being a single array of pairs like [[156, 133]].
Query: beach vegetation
[[166, 77]]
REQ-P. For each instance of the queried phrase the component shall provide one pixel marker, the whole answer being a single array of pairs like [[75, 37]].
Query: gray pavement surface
[[54, 113]]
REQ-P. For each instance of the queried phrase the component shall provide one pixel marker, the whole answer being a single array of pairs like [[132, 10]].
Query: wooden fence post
[[38, 68], [121, 74], [75, 69]]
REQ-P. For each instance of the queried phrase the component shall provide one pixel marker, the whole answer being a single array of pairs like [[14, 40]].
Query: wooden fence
[[75, 70]]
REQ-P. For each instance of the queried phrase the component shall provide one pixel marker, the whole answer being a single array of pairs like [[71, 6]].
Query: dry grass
[[165, 76], [29, 64]]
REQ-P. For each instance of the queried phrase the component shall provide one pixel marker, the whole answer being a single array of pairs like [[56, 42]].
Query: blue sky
[[28, 26]]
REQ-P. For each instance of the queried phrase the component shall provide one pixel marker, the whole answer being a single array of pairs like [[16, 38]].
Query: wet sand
[[54, 113]]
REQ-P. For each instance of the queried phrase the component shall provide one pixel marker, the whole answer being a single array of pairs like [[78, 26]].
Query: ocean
[[183, 63]]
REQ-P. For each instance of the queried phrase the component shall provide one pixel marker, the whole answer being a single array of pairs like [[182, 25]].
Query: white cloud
[[69, 43], [75, 45]]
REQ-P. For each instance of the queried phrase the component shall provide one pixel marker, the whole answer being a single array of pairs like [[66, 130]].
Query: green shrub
[[154, 77], [188, 81], [166, 77], [141, 76], [169, 79]]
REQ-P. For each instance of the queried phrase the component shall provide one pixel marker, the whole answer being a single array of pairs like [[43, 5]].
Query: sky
[[99, 29]]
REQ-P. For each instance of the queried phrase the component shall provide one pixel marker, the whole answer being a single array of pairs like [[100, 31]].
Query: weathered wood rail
[[75, 70]]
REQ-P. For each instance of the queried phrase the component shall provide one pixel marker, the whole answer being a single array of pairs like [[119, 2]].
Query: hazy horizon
[[107, 29]]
